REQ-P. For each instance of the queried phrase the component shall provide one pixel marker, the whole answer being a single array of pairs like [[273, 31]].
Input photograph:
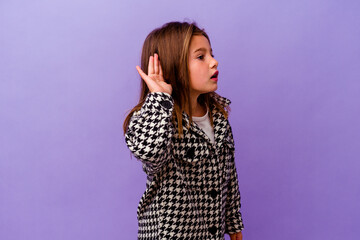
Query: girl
[[180, 132]]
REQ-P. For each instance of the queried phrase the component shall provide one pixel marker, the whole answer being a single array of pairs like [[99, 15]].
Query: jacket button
[[213, 193], [190, 152], [212, 230], [166, 104]]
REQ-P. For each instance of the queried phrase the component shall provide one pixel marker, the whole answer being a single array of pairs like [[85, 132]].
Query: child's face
[[202, 66]]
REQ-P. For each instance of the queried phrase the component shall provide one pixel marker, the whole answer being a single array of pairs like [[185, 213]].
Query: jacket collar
[[219, 120], [222, 100]]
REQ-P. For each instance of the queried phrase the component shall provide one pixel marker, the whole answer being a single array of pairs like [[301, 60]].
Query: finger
[[160, 69], [151, 65], [156, 63], [142, 74]]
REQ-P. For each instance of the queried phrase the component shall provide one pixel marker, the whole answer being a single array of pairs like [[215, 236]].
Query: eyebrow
[[202, 49]]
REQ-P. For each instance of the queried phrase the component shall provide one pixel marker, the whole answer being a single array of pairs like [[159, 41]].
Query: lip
[[216, 74]]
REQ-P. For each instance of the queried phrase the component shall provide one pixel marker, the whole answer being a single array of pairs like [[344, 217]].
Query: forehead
[[199, 41]]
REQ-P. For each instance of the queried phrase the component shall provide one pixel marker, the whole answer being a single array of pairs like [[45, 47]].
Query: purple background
[[67, 78]]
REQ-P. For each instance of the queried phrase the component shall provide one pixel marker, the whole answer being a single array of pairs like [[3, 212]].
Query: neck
[[196, 109]]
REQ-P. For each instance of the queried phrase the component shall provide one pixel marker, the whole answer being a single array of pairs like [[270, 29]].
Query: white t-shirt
[[204, 123]]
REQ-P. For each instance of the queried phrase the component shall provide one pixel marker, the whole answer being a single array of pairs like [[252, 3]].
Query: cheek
[[196, 71], [193, 74], [196, 78], [197, 74]]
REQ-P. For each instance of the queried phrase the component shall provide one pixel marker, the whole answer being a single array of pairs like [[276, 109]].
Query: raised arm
[[150, 129]]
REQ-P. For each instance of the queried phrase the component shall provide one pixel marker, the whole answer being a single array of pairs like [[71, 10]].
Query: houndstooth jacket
[[192, 186]]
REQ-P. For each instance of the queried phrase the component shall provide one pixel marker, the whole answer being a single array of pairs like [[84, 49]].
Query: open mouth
[[215, 75]]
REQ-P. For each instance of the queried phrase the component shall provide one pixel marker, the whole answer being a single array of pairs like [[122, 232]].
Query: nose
[[214, 63]]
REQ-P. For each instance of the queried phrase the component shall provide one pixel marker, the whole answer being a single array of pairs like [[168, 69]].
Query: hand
[[155, 80], [236, 236]]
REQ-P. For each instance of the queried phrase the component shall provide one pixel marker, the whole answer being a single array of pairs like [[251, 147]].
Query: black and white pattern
[[192, 186]]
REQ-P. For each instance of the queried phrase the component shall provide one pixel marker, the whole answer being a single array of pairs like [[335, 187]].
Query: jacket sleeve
[[233, 218], [150, 131]]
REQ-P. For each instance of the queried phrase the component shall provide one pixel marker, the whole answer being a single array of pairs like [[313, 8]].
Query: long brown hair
[[171, 42]]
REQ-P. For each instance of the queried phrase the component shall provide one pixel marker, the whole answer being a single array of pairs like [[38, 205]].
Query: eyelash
[[201, 57]]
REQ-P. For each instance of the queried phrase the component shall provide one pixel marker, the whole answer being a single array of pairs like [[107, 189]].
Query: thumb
[[142, 74]]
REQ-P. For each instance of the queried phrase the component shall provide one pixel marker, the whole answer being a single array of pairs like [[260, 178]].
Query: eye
[[201, 57]]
